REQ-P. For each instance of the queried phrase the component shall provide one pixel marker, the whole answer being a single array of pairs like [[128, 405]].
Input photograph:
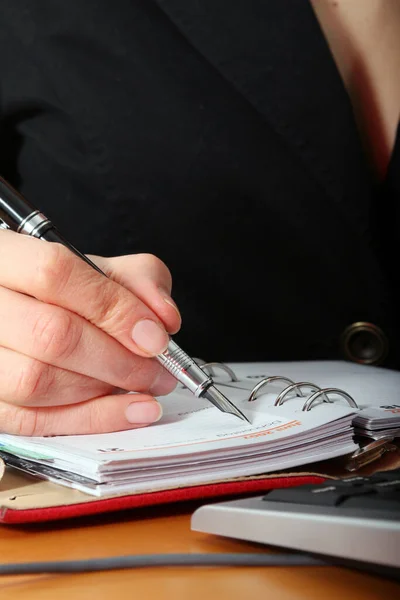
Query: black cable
[[162, 560]]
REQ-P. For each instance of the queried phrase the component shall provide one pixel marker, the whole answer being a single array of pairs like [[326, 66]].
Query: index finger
[[53, 274]]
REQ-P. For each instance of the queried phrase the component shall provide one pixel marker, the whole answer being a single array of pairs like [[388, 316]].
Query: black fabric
[[218, 136]]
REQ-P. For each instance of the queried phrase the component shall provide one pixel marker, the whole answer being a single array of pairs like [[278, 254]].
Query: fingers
[[149, 279], [54, 275], [70, 336], [29, 382], [99, 415], [60, 338]]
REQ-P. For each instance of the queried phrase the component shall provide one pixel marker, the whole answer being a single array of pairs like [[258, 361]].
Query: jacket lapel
[[274, 54]]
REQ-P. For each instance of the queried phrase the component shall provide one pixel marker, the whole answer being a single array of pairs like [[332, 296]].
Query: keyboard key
[[325, 495], [303, 495], [387, 502], [385, 476], [379, 492]]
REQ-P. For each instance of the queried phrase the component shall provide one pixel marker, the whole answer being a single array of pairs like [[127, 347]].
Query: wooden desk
[[166, 529]]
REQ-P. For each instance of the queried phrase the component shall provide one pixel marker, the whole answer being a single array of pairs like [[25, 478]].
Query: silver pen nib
[[220, 401], [192, 376]]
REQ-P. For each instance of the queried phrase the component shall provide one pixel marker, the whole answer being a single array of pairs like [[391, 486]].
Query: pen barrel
[[15, 210], [184, 369]]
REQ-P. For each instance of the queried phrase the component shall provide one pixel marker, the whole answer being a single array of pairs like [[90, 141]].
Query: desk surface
[[166, 529]]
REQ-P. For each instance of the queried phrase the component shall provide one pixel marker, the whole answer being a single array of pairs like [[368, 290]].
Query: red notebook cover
[[24, 499]]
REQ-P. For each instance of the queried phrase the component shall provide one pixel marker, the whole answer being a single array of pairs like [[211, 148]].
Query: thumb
[[99, 415]]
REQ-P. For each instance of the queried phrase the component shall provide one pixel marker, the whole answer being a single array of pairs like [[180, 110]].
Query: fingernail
[[150, 337], [164, 384], [167, 298], [143, 412]]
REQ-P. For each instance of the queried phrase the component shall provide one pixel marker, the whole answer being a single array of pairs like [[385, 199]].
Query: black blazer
[[217, 135]]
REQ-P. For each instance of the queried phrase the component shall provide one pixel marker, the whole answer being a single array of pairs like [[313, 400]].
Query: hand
[[73, 342]]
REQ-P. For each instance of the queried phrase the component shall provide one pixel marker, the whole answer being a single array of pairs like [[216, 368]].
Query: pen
[[17, 214]]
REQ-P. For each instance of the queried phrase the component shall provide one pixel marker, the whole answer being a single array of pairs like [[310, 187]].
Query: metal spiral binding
[[210, 366], [296, 387], [310, 401], [292, 387], [264, 382]]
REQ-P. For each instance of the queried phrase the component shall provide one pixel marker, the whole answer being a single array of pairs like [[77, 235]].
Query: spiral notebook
[[301, 413], [294, 421]]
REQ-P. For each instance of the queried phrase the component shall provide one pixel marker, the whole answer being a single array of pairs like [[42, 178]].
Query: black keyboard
[[380, 492], [354, 520]]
